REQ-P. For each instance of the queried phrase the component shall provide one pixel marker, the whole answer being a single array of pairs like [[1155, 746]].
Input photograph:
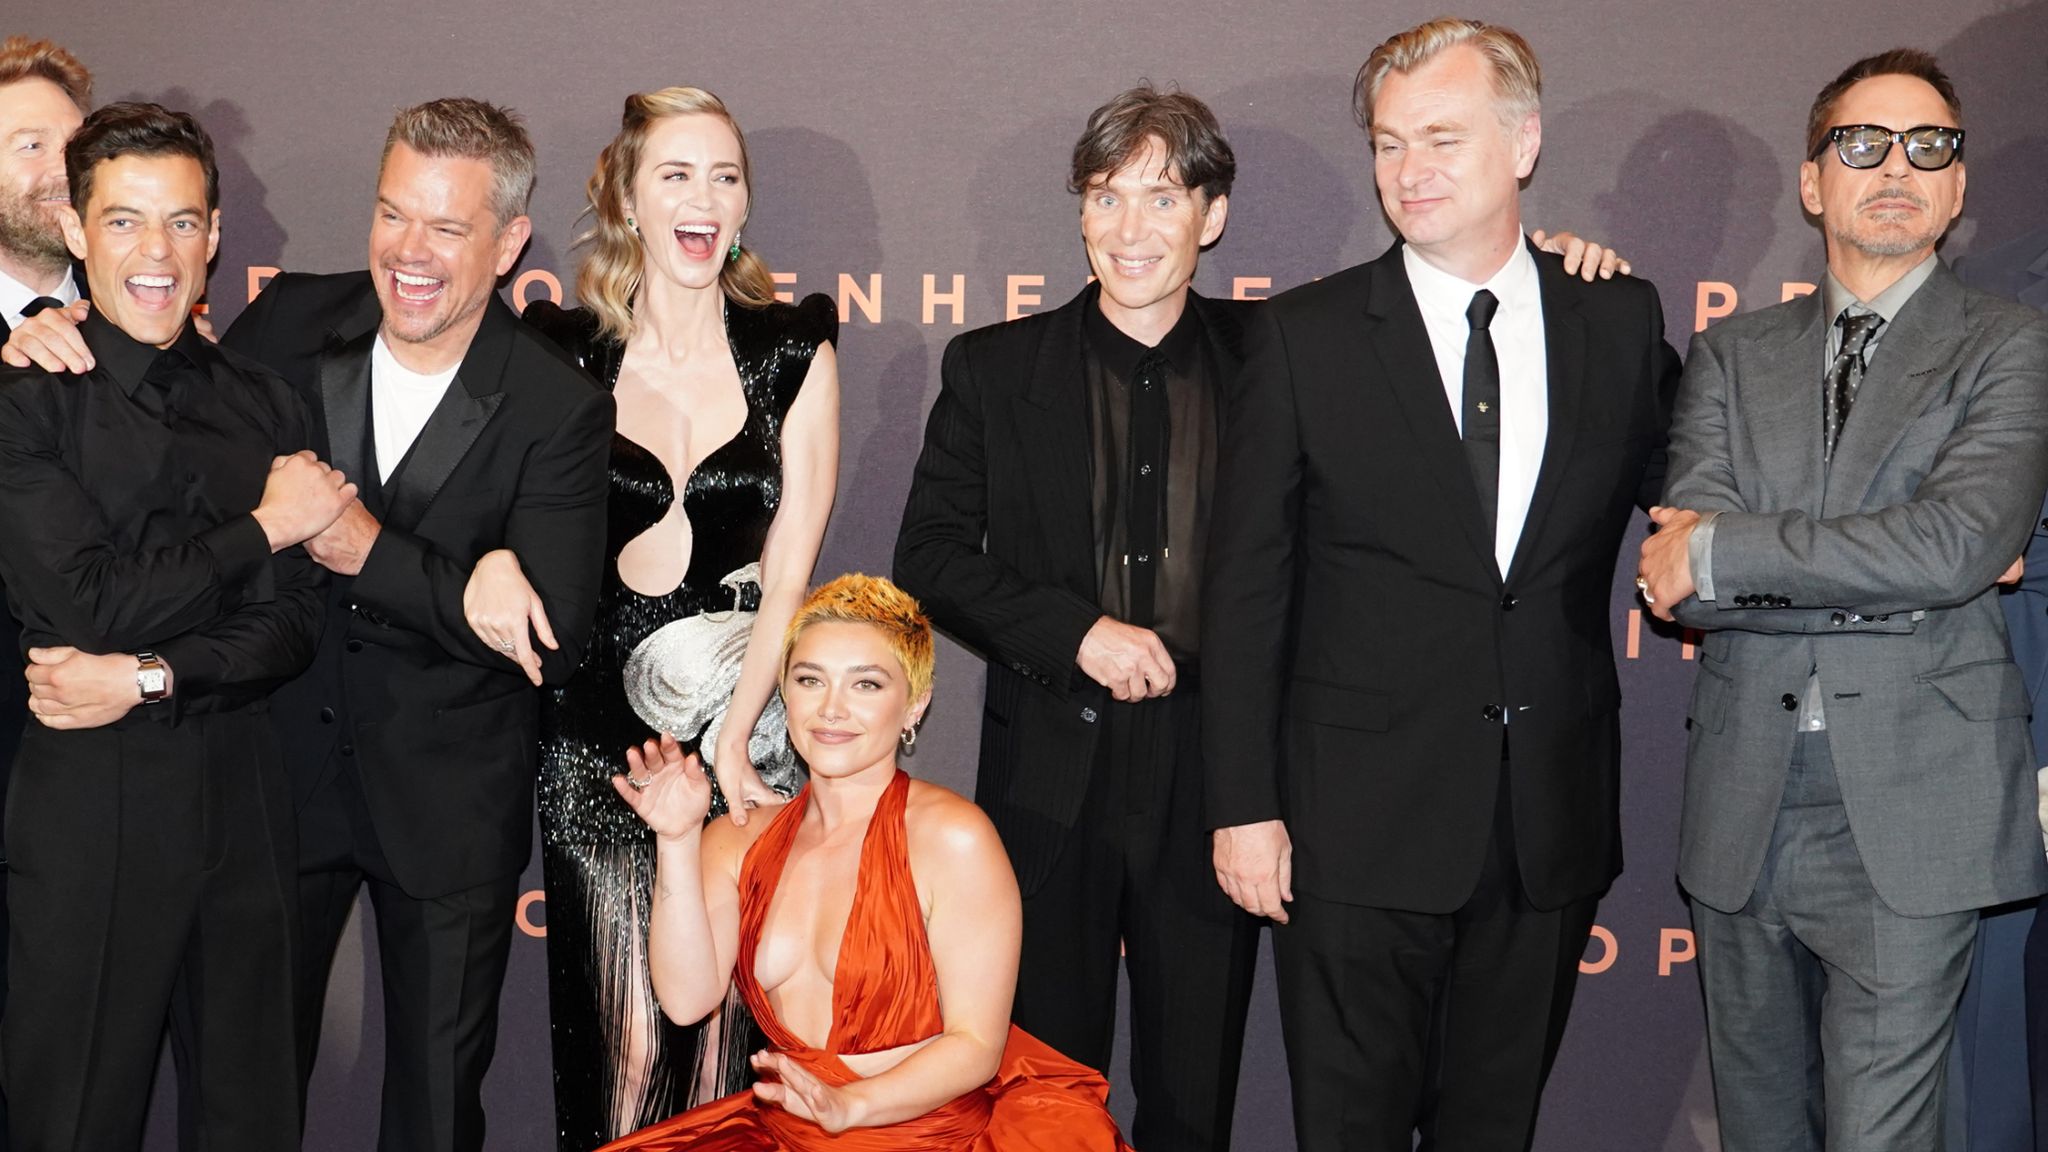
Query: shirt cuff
[[1699, 552], [241, 559]]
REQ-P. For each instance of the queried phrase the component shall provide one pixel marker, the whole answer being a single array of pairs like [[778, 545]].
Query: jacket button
[[2044, 523], [1790, 702], [1491, 712], [1088, 715], [348, 749], [1742, 601], [1508, 602], [327, 715], [1837, 619], [354, 645]]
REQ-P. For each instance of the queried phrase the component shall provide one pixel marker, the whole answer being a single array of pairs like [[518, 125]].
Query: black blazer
[[1359, 645], [442, 728], [997, 543]]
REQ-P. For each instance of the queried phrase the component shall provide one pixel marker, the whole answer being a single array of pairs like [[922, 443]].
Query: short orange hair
[[860, 599], [24, 59]]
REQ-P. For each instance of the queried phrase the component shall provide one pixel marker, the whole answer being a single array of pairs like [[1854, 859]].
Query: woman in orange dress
[[872, 925]]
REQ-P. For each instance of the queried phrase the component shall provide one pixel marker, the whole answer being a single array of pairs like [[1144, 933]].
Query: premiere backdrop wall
[[910, 161]]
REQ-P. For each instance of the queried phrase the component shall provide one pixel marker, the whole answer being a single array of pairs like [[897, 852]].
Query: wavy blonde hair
[[857, 598], [611, 272]]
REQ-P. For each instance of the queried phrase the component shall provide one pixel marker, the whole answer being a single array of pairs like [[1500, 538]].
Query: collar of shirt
[[15, 296], [1886, 303], [1444, 298], [128, 361], [1120, 354]]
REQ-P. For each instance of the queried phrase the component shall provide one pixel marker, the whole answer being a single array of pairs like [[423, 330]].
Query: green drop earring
[[733, 253]]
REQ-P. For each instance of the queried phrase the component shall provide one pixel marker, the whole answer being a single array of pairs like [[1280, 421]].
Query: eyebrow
[[179, 214], [716, 165], [816, 667], [449, 220]]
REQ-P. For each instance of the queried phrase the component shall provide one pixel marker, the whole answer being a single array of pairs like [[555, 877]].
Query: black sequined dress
[[619, 1063]]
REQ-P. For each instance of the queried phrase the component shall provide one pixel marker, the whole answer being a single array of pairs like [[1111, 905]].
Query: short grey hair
[[1517, 79], [473, 130]]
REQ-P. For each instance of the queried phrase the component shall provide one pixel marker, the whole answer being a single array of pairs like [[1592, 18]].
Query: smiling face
[[36, 118], [1145, 231], [689, 198], [1893, 210], [848, 698], [145, 236], [1448, 168], [436, 251]]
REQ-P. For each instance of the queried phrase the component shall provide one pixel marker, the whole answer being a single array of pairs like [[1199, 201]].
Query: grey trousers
[[1828, 1014]]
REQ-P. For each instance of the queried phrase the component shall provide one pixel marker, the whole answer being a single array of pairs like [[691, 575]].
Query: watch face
[[151, 681]]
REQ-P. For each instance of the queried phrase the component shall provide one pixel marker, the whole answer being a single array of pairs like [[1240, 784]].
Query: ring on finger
[[1643, 586], [505, 646], [640, 783]]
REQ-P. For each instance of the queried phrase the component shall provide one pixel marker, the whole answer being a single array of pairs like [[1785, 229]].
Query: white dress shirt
[[401, 401], [15, 296], [1519, 346]]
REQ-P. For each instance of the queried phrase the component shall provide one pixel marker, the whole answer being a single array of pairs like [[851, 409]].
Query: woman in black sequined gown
[[681, 331]]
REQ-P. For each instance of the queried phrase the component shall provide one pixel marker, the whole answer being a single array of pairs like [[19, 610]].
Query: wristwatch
[[152, 678]]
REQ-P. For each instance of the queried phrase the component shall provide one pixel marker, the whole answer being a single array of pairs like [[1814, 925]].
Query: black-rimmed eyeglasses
[[1930, 147]]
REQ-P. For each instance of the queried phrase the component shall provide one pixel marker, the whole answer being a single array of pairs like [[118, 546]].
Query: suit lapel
[[1394, 334], [2035, 290], [1564, 342], [345, 401], [470, 402], [1781, 405], [1053, 422], [1923, 338]]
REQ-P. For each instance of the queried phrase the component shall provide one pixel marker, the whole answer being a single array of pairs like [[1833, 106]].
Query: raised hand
[[741, 785], [1582, 258], [49, 340], [666, 789]]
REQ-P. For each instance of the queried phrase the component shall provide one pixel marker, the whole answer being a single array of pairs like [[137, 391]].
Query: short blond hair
[[24, 59], [856, 598], [1517, 78]]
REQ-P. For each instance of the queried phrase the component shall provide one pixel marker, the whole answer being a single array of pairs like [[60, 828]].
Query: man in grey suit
[[1850, 474]]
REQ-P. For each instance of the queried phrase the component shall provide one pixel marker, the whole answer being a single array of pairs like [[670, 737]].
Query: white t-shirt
[[1520, 347], [402, 401]]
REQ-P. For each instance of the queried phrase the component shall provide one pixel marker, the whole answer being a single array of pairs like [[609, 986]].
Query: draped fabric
[[885, 994]]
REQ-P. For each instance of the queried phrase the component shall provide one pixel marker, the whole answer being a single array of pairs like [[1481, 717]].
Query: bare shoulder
[[724, 846], [947, 828]]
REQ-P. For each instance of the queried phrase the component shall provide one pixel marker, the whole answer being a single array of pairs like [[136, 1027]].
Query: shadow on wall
[[249, 232], [1695, 197], [1298, 206], [2000, 71], [814, 215]]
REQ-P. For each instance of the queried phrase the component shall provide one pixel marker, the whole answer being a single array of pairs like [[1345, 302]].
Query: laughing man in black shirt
[[149, 517]]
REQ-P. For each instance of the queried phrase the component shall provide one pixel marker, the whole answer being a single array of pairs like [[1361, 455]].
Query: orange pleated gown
[[885, 994]]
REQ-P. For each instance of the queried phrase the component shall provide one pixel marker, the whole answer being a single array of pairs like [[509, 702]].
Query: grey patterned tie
[[1845, 375]]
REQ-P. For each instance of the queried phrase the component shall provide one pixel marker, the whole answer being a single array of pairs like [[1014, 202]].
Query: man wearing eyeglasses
[[1850, 475]]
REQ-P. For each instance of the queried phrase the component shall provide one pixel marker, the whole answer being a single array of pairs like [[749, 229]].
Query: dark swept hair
[[1196, 152], [1897, 62], [24, 59], [135, 129]]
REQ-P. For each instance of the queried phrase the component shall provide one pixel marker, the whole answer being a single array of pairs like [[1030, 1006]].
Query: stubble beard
[[29, 232]]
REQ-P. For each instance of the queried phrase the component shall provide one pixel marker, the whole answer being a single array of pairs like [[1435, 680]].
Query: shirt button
[[1490, 712], [1790, 702], [354, 645], [1088, 715], [1144, 557], [1144, 469], [327, 715]]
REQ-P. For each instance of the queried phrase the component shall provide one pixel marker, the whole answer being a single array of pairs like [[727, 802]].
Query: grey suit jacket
[[1878, 571]]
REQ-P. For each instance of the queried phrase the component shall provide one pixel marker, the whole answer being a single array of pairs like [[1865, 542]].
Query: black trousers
[[1136, 871], [442, 962], [1398, 1023], [150, 880]]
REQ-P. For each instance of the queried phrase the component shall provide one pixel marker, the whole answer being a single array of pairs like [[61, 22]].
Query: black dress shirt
[[1190, 438], [124, 515]]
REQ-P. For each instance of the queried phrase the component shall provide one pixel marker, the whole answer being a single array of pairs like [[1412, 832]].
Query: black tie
[[38, 304], [1482, 404], [1845, 375], [1147, 447]]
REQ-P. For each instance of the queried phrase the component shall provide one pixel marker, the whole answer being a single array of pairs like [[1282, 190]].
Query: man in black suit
[[44, 94], [411, 743], [140, 508], [1411, 712], [1102, 413]]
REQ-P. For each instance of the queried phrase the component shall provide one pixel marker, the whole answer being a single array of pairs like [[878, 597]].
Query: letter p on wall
[[1674, 947]]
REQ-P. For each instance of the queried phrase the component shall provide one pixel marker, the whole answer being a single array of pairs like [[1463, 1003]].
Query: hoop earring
[[908, 738]]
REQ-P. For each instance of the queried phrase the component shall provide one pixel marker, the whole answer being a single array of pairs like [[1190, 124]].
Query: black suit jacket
[[1360, 648], [997, 543], [442, 728]]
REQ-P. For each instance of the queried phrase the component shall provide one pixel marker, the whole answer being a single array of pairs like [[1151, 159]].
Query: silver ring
[[639, 785], [505, 646], [1643, 587]]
